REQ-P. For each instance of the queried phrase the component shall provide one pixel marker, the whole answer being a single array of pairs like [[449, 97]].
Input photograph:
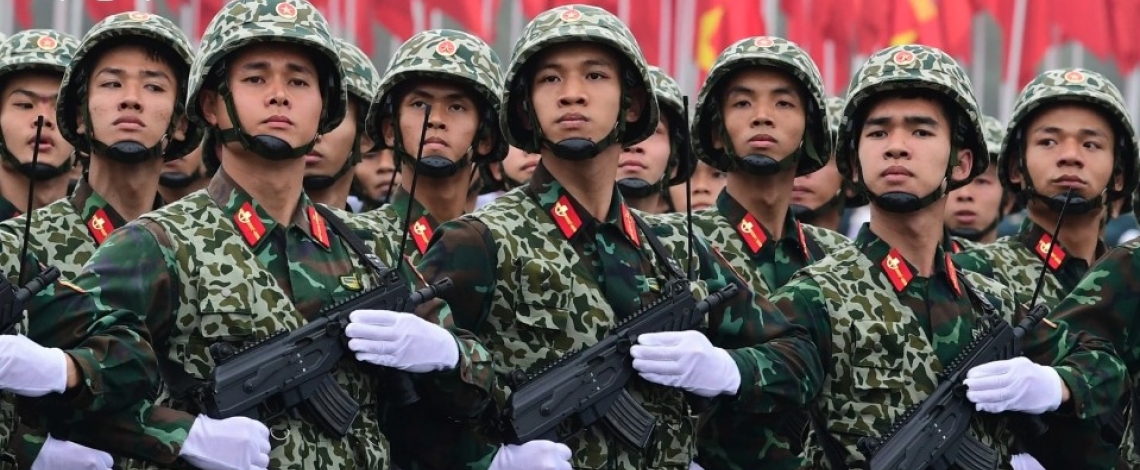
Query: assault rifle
[[12, 298], [589, 386], [934, 434], [293, 368]]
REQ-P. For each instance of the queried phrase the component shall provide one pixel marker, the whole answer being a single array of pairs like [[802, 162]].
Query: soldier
[[762, 119], [121, 98], [329, 167], [818, 198], [662, 153], [267, 82], [32, 64], [183, 176], [554, 266], [1070, 129], [974, 211], [704, 187], [890, 312], [512, 172], [375, 175]]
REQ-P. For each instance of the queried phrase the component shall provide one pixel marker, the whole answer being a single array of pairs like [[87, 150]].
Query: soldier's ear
[[80, 122], [1118, 182], [637, 102], [1014, 171], [387, 128], [208, 103], [961, 171], [180, 128], [486, 143]]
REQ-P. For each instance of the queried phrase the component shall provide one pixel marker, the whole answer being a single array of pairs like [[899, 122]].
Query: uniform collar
[[97, 214], [897, 269], [568, 215], [755, 235], [253, 222]]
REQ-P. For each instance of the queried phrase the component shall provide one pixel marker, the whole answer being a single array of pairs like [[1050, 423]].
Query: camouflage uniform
[[42, 50], [215, 267], [538, 277], [885, 333], [420, 439], [731, 440], [1017, 260]]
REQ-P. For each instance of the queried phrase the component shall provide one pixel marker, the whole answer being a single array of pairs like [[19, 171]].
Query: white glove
[[237, 443], [1014, 385], [686, 359], [401, 340], [534, 455], [29, 369], [1025, 462], [695, 466], [65, 454]]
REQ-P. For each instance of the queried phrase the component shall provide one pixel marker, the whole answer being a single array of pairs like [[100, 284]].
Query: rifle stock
[[586, 387], [293, 368]]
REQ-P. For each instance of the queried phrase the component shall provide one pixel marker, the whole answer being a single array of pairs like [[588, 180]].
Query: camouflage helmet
[[672, 105], [35, 49], [834, 115], [134, 24], [762, 51], [451, 55], [571, 24], [914, 67], [246, 22], [1072, 86], [993, 130], [3, 37], [361, 79]]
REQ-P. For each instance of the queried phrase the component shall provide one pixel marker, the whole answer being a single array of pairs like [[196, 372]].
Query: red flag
[[24, 14], [645, 24], [915, 22], [1125, 14], [99, 9], [394, 15], [957, 18], [874, 25], [716, 29], [468, 13], [1088, 24]]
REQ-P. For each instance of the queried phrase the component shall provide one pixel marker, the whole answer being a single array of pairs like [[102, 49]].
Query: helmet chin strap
[[267, 146], [176, 180], [901, 202], [581, 148], [805, 214], [322, 182], [976, 235], [1076, 204], [637, 188]]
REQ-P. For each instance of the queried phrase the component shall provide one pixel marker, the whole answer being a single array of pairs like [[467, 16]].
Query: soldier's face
[[1069, 146], [975, 205], [25, 97], [649, 158], [374, 172], [131, 95], [707, 182], [817, 188], [519, 165], [763, 113], [334, 148], [576, 92], [452, 125], [276, 92], [186, 165], [904, 146]]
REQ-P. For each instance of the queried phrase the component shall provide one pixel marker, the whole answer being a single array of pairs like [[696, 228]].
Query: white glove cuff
[[1056, 389], [57, 377], [732, 373]]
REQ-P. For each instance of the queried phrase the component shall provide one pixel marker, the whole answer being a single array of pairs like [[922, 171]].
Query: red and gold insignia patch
[[249, 224], [47, 43], [100, 226], [423, 233], [763, 41], [629, 225], [317, 226], [904, 58], [952, 272], [445, 48], [286, 10], [1056, 257], [897, 270], [570, 15], [566, 217], [753, 235], [1074, 76]]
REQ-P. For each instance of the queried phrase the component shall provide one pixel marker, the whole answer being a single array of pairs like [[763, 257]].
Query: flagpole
[[687, 36], [1133, 95], [487, 22], [59, 17], [516, 22], [436, 18], [623, 11], [8, 22], [1013, 62], [1077, 55], [419, 16], [1051, 58], [771, 10], [829, 61], [979, 68]]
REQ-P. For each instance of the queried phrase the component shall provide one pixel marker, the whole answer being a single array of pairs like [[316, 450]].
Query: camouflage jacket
[[214, 267], [537, 277], [885, 335], [959, 244], [390, 220], [732, 440], [110, 349]]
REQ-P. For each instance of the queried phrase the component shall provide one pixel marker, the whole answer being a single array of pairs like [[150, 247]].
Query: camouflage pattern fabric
[[1098, 316], [763, 51], [993, 131], [1073, 86], [203, 279], [537, 277], [450, 55], [567, 24], [733, 440], [42, 50], [138, 25], [914, 67], [244, 22], [885, 347], [959, 245]]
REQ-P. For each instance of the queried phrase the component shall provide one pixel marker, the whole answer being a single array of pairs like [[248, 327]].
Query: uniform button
[[878, 347], [546, 285], [225, 292]]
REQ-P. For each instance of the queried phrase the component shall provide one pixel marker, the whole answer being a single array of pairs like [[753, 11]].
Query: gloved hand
[[1025, 462], [401, 340], [65, 454], [237, 443], [534, 455], [29, 369], [686, 359], [1014, 385]]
